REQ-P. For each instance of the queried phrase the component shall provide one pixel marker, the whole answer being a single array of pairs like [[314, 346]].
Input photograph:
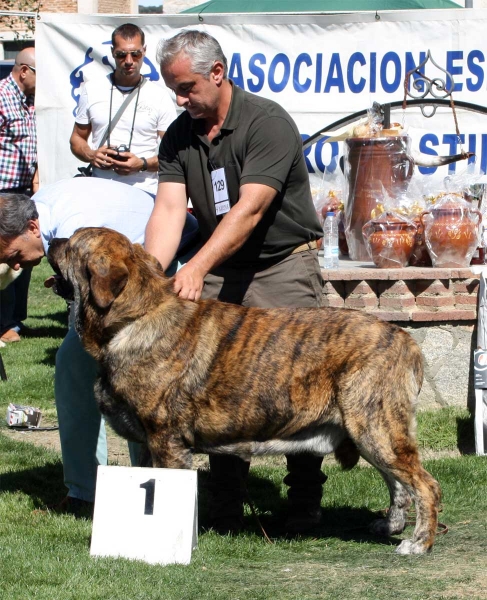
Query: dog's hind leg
[[400, 501], [405, 476]]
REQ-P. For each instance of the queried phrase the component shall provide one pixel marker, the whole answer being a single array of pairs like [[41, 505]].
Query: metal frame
[[398, 105]]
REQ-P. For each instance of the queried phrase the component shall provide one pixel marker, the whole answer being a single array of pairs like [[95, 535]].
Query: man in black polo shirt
[[239, 159]]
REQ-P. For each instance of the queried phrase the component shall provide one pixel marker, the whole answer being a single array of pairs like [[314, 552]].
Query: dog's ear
[[108, 278], [142, 253]]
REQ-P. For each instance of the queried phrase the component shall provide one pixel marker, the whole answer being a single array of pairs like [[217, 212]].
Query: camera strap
[[113, 122]]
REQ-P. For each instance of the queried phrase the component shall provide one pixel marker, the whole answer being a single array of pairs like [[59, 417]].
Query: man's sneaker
[[71, 506], [10, 336], [303, 519]]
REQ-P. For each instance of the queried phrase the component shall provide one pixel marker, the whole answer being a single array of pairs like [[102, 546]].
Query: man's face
[[129, 56], [29, 80], [199, 96], [25, 250]]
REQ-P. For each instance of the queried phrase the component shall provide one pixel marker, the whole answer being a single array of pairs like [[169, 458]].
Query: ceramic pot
[[451, 233], [390, 241], [420, 256], [372, 165]]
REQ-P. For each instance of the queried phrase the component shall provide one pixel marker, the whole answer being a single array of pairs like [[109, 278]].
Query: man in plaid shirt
[[18, 171]]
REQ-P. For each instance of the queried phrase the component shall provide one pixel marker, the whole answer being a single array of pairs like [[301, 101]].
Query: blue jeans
[[13, 302]]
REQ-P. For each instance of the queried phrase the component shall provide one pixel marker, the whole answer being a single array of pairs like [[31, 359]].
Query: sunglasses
[[123, 54], [33, 69]]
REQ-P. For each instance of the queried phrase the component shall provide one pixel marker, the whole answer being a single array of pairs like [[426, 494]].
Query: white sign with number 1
[[145, 514]]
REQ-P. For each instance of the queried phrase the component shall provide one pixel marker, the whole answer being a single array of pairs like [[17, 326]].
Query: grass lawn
[[47, 557]]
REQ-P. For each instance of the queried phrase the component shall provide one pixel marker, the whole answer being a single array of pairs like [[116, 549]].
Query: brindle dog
[[206, 376]]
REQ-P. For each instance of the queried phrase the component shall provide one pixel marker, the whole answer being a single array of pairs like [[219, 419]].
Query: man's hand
[[188, 282], [126, 163], [102, 158]]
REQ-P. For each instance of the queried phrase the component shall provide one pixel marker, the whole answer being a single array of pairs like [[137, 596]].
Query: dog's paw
[[409, 547]]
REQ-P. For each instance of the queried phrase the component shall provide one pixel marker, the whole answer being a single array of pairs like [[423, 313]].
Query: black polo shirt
[[258, 143]]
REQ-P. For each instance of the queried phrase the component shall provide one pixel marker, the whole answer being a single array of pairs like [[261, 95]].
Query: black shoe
[[303, 519], [228, 525], [72, 506]]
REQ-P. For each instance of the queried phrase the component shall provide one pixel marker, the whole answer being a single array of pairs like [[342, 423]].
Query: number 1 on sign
[[150, 488]]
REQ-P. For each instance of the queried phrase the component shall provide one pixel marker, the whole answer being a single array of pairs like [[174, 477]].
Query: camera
[[121, 148]]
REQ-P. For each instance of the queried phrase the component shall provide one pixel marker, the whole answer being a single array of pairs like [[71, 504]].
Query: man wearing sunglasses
[[129, 154], [18, 171]]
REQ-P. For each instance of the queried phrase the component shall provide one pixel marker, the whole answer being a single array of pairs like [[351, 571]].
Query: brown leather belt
[[308, 246]]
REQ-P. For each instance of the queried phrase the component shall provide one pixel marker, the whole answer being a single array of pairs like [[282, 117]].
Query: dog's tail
[[347, 454]]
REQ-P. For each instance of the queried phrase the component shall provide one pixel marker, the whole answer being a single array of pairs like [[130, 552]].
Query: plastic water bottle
[[330, 241]]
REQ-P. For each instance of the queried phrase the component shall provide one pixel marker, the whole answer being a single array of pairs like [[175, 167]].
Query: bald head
[[24, 70]]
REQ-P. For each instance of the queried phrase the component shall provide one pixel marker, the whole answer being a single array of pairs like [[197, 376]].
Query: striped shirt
[[18, 136]]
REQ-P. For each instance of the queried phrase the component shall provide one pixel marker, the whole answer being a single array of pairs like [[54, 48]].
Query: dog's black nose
[[55, 243]]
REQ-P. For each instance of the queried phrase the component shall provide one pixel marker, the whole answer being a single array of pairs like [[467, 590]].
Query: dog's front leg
[[169, 451]]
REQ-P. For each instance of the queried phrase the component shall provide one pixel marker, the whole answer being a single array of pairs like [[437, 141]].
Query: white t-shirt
[[66, 205], [154, 111]]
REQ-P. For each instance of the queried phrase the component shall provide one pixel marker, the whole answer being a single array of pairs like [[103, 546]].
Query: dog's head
[[109, 278]]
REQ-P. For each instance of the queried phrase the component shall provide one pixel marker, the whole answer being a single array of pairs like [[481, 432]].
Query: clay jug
[[451, 232], [372, 165], [390, 240]]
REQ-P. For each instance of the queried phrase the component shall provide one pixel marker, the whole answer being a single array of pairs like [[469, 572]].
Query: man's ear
[[217, 72], [33, 227], [107, 280]]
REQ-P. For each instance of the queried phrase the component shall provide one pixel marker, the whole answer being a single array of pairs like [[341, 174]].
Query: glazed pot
[[372, 166], [451, 233], [390, 241]]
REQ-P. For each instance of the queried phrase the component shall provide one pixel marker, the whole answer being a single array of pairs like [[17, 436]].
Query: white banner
[[319, 67]]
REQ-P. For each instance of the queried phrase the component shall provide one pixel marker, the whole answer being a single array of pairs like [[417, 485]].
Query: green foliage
[[151, 10], [22, 25]]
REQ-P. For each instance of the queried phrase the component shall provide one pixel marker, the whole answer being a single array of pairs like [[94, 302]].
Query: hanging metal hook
[[377, 16]]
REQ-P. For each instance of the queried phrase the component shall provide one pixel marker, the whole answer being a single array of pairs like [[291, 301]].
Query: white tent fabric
[[481, 395]]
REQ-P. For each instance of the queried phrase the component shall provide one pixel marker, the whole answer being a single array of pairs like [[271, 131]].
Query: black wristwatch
[[144, 166]]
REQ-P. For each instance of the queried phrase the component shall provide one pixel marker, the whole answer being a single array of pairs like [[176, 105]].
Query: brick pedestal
[[438, 307]]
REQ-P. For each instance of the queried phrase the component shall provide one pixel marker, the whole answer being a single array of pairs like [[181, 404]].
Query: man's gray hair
[[201, 48], [16, 210]]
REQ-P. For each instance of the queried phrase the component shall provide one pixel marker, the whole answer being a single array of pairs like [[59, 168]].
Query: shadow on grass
[[61, 316], [342, 522], [48, 331], [49, 357], [43, 484], [466, 434]]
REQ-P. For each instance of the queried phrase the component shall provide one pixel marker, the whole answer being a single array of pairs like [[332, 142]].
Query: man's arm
[[166, 223], [81, 149], [230, 235]]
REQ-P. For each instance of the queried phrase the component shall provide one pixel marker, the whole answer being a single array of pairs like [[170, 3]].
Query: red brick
[[359, 287], [466, 299], [362, 302], [386, 315], [396, 303], [435, 301], [469, 286], [430, 288], [333, 301], [447, 315], [334, 288], [394, 288]]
